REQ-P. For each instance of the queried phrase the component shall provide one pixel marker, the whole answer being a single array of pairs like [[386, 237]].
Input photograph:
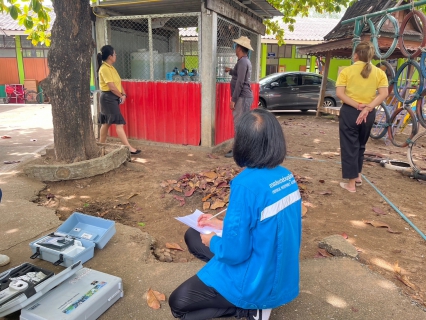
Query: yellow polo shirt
[[360, 89], [107, 73]]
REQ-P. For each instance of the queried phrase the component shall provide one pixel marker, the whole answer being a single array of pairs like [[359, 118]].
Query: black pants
[[353, 139], [193, 300]]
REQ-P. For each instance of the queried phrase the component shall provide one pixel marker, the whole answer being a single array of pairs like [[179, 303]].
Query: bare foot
[[344, 185]]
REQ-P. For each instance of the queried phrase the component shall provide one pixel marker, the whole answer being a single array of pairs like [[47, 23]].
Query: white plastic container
[[86, 295], [139, 64], [225, 58]]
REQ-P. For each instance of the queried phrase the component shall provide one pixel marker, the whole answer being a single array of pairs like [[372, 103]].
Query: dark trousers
[[353, 139], [193, 300]]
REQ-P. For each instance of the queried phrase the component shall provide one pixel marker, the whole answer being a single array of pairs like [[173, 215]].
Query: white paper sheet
[[191, 221]]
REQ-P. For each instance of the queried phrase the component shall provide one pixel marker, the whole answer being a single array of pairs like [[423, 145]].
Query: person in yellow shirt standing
[[111, 97], [361, 87]]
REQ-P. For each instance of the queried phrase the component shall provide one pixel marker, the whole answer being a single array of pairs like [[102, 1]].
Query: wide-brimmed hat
[[244, 42]]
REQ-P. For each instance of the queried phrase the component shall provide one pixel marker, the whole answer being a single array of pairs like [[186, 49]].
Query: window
[[7, 47], [275, 51], [189, 48], [31, 51], [310, 80], [290, 80], [298, 55]]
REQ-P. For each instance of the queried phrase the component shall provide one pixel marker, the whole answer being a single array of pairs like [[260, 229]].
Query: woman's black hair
[[259, 140], [106, 51]]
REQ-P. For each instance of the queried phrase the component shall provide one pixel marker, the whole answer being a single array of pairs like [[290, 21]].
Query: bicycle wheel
[[416, 153], [403, 127], [407, 82], [31, 96], [404, 23], [381, 122], [389, 71], [423, 64], [421, 112], [40, 98]]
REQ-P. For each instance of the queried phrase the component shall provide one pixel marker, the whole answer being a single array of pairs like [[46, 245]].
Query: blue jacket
[[256, 261]]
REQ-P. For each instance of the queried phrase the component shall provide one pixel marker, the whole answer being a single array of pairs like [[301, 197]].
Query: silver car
[[295, 91]]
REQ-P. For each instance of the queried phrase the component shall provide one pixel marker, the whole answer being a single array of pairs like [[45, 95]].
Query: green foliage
[[291, 8], [32, 15]]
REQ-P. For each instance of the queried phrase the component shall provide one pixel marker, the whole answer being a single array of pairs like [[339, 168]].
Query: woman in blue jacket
[[254, 266]]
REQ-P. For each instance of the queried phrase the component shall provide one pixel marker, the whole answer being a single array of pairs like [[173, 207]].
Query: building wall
[[301, 64]]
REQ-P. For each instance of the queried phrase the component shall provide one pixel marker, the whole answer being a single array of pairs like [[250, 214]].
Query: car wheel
[[328, 102], [261, 104]]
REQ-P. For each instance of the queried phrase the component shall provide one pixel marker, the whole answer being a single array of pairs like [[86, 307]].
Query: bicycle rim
[[31, 96], [421, 112], [407, 82], [416, 153], [404, 23], [381, 121], [403, 127]]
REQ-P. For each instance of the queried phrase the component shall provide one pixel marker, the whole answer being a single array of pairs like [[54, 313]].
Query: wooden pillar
[[324, 82]]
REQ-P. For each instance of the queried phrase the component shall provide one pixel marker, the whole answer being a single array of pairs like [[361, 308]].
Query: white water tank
[[225, 58], [158, 66], [172, 60], [139, 64]]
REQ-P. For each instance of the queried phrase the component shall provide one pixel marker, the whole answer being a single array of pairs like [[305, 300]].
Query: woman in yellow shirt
[[111, 97], [361, 87]]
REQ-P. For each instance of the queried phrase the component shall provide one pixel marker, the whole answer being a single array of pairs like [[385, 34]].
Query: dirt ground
[[135, 195]]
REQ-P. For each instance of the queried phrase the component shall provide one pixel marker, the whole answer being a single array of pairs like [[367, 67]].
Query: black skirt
[[110, 109]]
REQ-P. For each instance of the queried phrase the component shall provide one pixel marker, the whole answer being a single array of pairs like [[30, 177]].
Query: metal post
[[151, 50], [324, 83]]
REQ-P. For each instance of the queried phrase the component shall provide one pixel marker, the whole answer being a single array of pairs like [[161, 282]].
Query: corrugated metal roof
[[136, 7], [8, 25], [307, 29]]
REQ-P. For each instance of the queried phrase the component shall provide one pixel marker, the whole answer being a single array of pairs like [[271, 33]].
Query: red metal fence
[[162, 111], [224, 122]]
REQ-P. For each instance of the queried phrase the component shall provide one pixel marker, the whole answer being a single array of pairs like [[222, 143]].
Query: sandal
[[358, 183], [344, 185]]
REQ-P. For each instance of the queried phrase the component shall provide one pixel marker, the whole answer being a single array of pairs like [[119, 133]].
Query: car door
[[309, 91], [283, 93]]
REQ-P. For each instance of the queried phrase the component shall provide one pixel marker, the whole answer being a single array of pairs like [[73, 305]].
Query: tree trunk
[[68, 83]]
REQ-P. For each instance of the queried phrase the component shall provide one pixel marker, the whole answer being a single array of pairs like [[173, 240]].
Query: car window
[[311, 80], [289, 80]]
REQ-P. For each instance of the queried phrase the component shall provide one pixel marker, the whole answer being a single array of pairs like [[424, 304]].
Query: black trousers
[[193, 300], [353, 139]]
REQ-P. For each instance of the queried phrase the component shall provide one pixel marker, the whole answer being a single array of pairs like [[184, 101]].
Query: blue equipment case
[[85, 231]]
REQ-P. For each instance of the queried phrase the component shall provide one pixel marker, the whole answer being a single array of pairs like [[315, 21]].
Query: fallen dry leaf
[[304, 210], [211, 175], [207, 197], [152, 300], [206, 205], [133, 195], [160, 296], [189, 192], [174, 246], [308, 204], [180, 199], [321, 181], [325, 193], [378, 211], [322, 253], [217, 204], [379, 224], [212, 156]]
